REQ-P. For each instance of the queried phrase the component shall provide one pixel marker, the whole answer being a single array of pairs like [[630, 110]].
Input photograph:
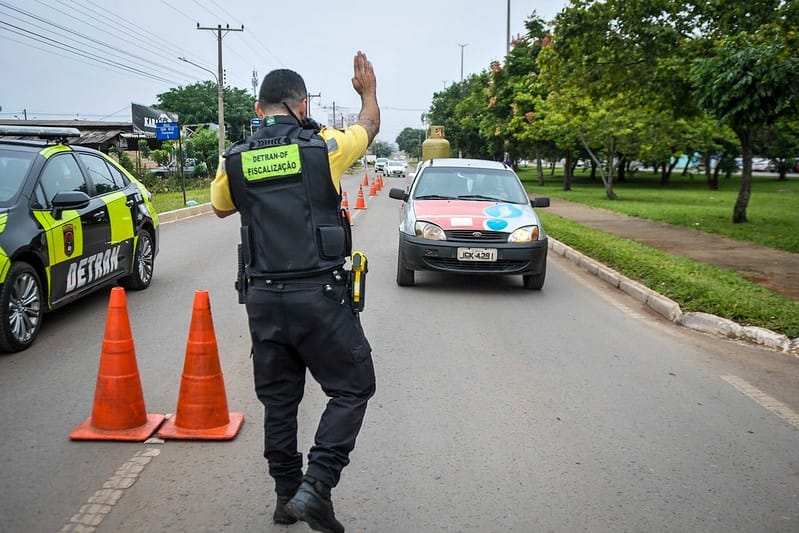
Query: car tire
[[22, 310], [534, 282], [143, 263], [405, 277]]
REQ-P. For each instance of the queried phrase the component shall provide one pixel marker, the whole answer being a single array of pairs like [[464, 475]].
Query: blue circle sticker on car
[[500, 212]]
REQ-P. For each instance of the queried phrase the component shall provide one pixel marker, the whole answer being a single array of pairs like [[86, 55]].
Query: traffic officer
[[285, 183]]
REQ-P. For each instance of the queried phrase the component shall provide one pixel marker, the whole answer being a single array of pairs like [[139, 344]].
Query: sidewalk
[[771, 268]]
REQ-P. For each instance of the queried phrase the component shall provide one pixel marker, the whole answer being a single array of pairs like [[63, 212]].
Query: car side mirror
[[540, 201], [398, 194], [65, 200]]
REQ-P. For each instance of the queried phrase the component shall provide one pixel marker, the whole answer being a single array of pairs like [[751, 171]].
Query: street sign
[[165, 131]]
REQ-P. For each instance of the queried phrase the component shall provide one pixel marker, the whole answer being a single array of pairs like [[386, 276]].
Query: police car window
[[120, 180], [13, 169], [100, 174], [61, 173]]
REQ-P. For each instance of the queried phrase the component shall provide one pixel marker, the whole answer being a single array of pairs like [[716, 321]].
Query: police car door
[[78, 237]]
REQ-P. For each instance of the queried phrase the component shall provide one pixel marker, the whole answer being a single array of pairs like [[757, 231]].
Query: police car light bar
[[39, 131]]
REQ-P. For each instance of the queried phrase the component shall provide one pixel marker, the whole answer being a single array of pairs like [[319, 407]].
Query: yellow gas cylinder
[[435, 146]]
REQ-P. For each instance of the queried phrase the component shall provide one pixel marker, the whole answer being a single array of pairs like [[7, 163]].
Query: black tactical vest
[[291, 218]]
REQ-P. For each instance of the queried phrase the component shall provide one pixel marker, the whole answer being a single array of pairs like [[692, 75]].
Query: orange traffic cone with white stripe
[[372, 189], [360, 201], [345, 206], [365, 182], [118, 412], [202, 412]]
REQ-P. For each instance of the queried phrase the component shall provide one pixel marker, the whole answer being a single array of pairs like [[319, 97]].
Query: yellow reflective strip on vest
[[54, 232], [51, 150], [272, 162], [119, 214], [3, 220]]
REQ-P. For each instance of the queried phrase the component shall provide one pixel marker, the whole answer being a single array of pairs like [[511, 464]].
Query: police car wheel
[[143, 263], [22, 308]]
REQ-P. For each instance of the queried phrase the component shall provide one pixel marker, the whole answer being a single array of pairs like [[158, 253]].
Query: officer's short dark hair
[[282, 85]]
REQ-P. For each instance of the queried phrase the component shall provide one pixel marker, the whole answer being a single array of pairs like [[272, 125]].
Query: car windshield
[[396, 164], [495, 185], [14, 167]]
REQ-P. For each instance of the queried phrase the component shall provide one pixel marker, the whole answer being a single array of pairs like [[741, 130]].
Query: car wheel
[[22, 308], [405, 277], [143, 263], [535, 281]]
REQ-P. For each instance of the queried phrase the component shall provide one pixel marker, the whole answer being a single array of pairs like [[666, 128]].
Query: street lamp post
[[462, 47]]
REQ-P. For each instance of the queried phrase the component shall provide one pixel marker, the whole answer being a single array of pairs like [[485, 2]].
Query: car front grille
[[476, 266], [478, 236]]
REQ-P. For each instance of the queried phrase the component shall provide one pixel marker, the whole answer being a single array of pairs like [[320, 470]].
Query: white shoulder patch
[[332, 145]]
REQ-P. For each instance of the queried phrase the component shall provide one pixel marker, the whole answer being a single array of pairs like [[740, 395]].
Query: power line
[[144, 62], [72, 50]]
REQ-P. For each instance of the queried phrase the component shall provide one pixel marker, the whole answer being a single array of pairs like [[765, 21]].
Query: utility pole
[[219, 80], [255, 84], [462, 47], [507, 32], [317, 95]]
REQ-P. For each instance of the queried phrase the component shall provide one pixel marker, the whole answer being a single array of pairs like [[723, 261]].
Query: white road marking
[[772, 404], [103, 501]]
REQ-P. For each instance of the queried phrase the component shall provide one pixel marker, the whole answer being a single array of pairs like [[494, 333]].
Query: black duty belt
[[335, 276]]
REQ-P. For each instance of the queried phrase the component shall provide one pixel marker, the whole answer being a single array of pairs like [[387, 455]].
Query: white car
[[470, 216], [395, 168]]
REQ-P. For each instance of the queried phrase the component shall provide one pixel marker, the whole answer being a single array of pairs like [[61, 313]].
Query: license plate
[[477, 254]]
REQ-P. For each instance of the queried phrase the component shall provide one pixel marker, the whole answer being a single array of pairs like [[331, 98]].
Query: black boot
[[282, 516], [312, 504]]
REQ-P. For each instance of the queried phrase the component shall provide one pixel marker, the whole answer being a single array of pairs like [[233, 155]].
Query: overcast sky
[[90, 59]]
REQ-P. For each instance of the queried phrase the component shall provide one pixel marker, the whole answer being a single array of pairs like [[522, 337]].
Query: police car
[[72, 220]]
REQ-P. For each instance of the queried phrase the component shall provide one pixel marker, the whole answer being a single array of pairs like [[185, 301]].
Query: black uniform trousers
[[298, 325]]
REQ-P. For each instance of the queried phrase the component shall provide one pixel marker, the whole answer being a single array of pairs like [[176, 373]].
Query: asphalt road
[[498, 410]]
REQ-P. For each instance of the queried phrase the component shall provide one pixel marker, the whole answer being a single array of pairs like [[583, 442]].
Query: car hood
[[477, 215]]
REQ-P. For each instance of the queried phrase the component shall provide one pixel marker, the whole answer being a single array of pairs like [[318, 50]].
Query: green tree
[[749, 81], [381, 149], [410, 141], [197, 104]]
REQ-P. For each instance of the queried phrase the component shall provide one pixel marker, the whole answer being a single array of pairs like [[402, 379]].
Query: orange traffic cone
[[202, 403], [365, 182], [373, 189], [380, 182], [345, 206], [118, 412], [360, 201]]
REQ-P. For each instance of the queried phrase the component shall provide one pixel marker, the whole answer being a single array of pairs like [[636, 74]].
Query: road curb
[[662, 305], [672, 311]]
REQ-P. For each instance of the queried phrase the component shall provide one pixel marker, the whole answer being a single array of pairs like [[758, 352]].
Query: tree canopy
[[650, 80]]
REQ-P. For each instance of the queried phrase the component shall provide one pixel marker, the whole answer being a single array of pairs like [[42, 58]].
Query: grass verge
[[694, 286]]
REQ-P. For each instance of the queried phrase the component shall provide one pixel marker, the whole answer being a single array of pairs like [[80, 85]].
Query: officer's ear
[[258, 111]]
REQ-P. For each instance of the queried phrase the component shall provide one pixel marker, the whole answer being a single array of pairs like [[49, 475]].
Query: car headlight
[[525, 234], [430, 231]]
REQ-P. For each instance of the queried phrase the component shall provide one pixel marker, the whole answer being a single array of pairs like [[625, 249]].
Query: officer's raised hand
[[365, 84]]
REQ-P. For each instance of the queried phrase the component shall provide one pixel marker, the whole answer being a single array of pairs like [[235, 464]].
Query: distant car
[[380, 164], [762, 164], [173, 169], [395, 168], [72, 220], [470, 216]]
